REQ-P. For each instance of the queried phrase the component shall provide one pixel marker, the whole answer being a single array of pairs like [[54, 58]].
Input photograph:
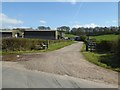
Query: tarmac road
[[22, 78]]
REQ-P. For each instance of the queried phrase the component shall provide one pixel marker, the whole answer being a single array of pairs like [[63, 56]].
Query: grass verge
[[96, 57]]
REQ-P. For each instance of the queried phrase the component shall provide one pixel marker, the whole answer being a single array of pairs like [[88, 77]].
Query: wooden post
[[48, 44], [87, 46]]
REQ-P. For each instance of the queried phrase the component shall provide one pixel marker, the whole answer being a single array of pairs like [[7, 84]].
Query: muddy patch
[[19, 57]]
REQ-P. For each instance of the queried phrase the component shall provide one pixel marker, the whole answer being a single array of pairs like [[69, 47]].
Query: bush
[[104, 46], [83, 38], [24, 44], [116, 47]]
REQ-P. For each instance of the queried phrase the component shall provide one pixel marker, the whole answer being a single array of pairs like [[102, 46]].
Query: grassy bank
[[52, 46], [59, 45], [107, 52], [96, 58]]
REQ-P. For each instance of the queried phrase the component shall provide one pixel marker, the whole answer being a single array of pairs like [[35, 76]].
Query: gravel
[[68, 61]]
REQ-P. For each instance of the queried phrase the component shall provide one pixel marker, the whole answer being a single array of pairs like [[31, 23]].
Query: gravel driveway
[[68, 61]]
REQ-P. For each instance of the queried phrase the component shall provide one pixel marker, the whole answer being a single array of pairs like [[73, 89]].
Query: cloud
[[22, 27], [114, 21], [73, 2], [92, 25], [43, 22], [59, 0], [9, 21]]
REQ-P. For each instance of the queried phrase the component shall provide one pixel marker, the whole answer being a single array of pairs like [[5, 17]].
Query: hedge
[[108, 46], [23, 44]]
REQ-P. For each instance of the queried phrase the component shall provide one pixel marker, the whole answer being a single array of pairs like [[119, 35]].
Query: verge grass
[[93, 57], [106, 60]]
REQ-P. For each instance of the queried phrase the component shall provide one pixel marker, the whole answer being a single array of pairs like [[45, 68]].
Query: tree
[[64, 28], [43, 28], [73, 31]]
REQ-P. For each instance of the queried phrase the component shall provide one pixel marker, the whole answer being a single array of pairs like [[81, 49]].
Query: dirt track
[[68, 61]]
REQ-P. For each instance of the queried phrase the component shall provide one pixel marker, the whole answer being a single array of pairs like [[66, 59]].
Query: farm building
[[42, 34], [6, 34], [31, 33]]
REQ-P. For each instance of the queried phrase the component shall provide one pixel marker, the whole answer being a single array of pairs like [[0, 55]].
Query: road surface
[[21, 78], [67, 61]]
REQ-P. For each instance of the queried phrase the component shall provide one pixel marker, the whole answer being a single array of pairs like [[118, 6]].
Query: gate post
[[87, 46]]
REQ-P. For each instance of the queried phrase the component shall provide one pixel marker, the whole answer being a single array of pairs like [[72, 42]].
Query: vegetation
[[108, 37], [95, 31], [44, 28], [104, 59], [59, 45], [70, 35], [93, 57], [107, 52], [23, 45], [66, 29]]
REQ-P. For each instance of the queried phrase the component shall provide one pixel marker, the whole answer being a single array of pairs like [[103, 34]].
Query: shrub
[[24, 44], [83, 38], [104, 46], [116, 47]]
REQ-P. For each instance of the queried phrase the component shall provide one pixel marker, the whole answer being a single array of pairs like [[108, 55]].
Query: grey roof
[[30, 29]]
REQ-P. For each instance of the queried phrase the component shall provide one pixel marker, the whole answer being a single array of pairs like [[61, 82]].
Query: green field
[[69, 35], [105, 37]]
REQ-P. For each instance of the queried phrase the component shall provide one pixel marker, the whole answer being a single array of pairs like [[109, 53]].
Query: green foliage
[[104, 46], [102, 59], [116, 47], [107, 43], [24, 44], [109, 37], [83, 38], [59, 45], [66, 29], [95, 31], [107, 52], [70, 35], [43, 28], [110, 60]]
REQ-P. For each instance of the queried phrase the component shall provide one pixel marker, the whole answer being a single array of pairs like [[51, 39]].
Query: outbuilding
[[42, 34], [6, 34]]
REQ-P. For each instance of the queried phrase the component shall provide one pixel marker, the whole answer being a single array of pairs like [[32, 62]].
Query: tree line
[[95, 31], [86, 31]]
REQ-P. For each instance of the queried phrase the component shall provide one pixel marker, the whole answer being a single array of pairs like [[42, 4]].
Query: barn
[[6, 34], [42, 34]]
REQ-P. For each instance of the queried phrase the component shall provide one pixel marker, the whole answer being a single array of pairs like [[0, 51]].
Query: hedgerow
[[24, 44]]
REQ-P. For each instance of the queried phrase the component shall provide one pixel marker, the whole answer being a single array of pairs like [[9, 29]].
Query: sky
[[56, 14]]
